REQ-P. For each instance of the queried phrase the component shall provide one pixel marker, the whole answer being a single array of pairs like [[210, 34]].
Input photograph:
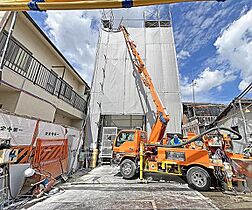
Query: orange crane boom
[[158, 129]]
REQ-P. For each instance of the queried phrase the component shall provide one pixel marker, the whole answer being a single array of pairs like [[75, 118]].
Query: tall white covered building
[[118, 98]]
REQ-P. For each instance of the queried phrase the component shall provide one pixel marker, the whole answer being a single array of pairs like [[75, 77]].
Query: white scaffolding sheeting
[[118, 90], [20, 130]]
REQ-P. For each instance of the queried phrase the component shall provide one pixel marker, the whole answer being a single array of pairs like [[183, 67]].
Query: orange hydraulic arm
[[158, 129]]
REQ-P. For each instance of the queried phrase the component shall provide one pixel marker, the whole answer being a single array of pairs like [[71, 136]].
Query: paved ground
[[104, 188], [223, 201]]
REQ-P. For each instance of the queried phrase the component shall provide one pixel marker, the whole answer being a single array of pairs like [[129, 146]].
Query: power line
[[244, 92]]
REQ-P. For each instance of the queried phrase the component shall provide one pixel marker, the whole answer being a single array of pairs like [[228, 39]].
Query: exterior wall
[[234, 118], [1, 15], [9, 99], [26, 106], [76, 123], [2, 19], [31, 38], [39, 109], [34, 100], [60, 118]]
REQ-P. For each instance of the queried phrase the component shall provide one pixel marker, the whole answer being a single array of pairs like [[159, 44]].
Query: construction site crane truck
[[204, 159], [199, 157]]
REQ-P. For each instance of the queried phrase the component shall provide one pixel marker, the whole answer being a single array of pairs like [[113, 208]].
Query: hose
[[199, 138]]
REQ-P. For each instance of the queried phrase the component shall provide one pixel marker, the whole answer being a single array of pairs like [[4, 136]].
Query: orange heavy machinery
[[204, 159]]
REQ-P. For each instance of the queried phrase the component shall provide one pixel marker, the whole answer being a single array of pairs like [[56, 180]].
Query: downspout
[[82, 137], [7, 43]]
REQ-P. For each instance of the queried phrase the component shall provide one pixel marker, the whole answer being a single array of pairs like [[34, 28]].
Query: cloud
[[76, 36], [219, 88], [76, 33], [198, 23], [183, 55], [235, 46], [207, 80]]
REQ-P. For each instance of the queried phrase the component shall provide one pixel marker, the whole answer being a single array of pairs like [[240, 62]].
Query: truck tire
[[198, 178], [128, 169]]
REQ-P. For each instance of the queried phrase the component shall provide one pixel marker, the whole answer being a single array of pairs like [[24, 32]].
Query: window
[[165, 23], [125, 136], [151, 23]]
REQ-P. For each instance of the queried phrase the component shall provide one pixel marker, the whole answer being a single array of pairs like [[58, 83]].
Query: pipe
[[7, 43], [198, 138], [141, 160]]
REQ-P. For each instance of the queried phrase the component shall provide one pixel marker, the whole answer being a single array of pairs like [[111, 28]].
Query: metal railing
[[20, 60]]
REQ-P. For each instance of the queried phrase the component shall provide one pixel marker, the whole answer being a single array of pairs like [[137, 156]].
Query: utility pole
[[194, 83]]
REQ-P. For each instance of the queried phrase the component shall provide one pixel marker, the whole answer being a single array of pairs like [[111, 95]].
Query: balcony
[[20, 60]]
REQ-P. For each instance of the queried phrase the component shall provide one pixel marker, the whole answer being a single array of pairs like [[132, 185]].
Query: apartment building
[[37, 80]]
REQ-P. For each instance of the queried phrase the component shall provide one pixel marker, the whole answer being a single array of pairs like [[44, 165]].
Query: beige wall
[[25, 102], [9, 100], [2, 19], [76, 123], [61, 119], [1, 15], [21, 83], [28, 105]]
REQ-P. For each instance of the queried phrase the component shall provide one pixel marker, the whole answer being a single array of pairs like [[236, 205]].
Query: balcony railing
[[20, 60]]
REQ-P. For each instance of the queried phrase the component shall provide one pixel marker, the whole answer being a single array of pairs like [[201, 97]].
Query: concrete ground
[[223, 201], [104, 188]]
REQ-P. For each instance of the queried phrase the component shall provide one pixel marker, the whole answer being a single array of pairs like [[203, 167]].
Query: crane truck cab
[[126, 151]]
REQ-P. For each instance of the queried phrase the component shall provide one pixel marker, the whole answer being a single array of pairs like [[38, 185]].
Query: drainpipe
[[244, 122], [7, 43]]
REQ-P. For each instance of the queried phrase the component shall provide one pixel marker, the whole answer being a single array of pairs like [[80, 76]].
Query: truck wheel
[[128, 169], [198, 178]]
